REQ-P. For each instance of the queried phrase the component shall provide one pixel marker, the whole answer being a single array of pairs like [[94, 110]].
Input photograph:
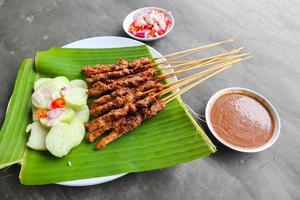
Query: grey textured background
[[270, 30]]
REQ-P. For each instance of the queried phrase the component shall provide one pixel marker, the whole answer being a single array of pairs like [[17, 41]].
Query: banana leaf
[[12, 135], [170, 138]]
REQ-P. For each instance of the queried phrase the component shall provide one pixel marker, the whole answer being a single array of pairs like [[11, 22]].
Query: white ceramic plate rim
[[105, 42], [261, 99], [129, 18]]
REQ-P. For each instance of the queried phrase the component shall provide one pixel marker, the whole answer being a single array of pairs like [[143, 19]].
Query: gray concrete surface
[[270, 30]]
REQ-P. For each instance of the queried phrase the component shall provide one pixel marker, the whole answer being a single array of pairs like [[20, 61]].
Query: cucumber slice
[[83, 114], [41, 81], [44, 121], [60, 139], [55, 95], [67, 116], [42, 97], [48, 88], [79, 131], [37, 136], [60, 82], [79, 84], [48, 123], [39, 100], [75, 97]]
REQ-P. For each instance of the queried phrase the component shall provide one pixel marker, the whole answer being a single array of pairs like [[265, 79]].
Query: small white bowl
[[259, 98], [129, 19]]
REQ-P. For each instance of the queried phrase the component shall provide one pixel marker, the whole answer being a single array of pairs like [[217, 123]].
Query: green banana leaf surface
[[170, 138], [13, 137]]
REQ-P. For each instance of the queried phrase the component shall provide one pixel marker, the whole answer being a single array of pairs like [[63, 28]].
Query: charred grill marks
[[122, 102]]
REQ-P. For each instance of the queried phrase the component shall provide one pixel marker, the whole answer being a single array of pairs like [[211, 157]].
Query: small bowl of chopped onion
[[149, 23]]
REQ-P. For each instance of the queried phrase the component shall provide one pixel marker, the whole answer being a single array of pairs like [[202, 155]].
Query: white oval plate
[[104, 42]]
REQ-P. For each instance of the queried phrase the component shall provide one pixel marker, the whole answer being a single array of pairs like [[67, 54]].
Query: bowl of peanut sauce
[[242, 120]]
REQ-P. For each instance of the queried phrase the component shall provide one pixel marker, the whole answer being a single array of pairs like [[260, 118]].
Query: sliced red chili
[[58, 103]]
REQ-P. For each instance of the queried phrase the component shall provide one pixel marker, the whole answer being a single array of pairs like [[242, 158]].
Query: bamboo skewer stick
[[192, 62], [197, 75], [172, 96], [194, 75], [226, 53], [171, 86], [207, 63], [193, 50], [174, 62], [179, 84], [184, 81]]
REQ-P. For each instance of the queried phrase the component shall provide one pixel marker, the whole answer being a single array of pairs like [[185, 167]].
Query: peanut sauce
[[242, 120]]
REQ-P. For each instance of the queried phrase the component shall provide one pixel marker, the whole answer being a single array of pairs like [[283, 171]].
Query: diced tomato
[[58, 103], [138, 28], [149, 26], [132, 28], [152, 32], [41, 113], [168, 22]]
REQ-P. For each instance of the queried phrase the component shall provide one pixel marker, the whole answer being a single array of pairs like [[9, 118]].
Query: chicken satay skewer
[[127, 72], [121, 65], [116, 114], [151, 72], [123, 91], [119, 101], [98, 131], [98, 88], [124, 128], [92, 136], [131, 122], [126, 97], [90, 70], [138, 118]]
